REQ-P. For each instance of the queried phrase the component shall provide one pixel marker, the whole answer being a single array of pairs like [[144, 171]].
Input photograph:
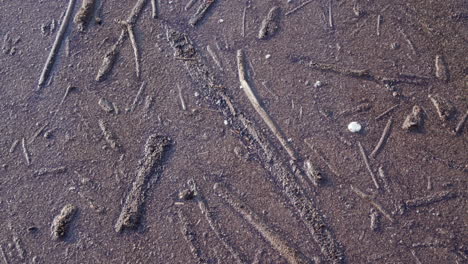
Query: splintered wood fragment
[[256, 105], [461, 123], [61, 222], [84, 15], [26, 154], [201, 12], [44, 171], [291, 254], [214, 57], [384, 178], [330, 14], [270, 23], [430, 199], [364, 74], [244, 13], [181, 97], [383, 139], [322, 157], [379, 20], [214, 225], [368, 198], [136, 51], [67, 92], [299, 7], [137, 97], [441, 71], [189, 4], [37, 133], [368, 167], [106, 105], [445, 109], [136, 11], [108, 135], [312, 173], [154, 9], [414, 120], [190, 237], [14, 145], [110, 58], [156, 148], [4, 257], [386, 112], [56, 46], [375, 219]]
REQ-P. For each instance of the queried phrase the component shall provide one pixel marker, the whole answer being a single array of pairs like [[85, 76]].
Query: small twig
[[4, 257], [243, 22], [214, 57], [415, 257], [371, 201], [379, 19], [154, 9], [14, 145], [298, 8], [37, 133], [322, 157], [201, 12], [368, 167], [386, 112], [430, 199], [190, 4], [181, 97], [382, 139], [383, 177], [137, 97], [67, 92], [136, 52], [461, 123], [256, 105], [57, 44], [25, 152], [330, 14], [410, 43]]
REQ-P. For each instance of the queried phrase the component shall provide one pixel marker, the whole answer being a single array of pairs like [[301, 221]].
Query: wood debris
[[386, 112], [368, 167], [383, 178], [108, 135], [181, 97], [375, 220], [85, 14], [445, 109], [137, 98], [214, 225], [201, 12], [56, 46], [291, 254], [156, 148], [270, 23], [414, 120], [256, 105], [312, 173], [299, 7], [4, 257], [461, 123], [430, 199], [278, 168], [191, 237], [111, 56], [61, 223], [189, 4], [441, 70], [368, 198], [14, 145], [154, 9], [383, 139], [136, 51], [26, 154], [214, 57], [45, 171]]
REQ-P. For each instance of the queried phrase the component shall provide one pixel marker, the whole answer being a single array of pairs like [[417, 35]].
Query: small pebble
[[354, 127], [318, 84], [267, 56]]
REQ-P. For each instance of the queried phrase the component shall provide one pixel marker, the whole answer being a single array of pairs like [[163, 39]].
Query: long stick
[[254, 101], [57, 44]]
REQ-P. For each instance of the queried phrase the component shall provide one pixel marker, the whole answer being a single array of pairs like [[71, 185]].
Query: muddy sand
[[215, 131]]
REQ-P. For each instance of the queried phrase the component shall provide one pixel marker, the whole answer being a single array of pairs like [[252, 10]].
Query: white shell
[[354, 127]]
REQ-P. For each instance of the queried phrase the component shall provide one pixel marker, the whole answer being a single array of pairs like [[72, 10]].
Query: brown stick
[[382, 139]]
